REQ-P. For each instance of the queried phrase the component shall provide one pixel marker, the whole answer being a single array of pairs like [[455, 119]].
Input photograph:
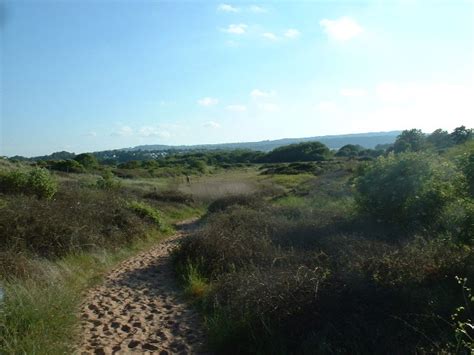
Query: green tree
[[87, 160], [307, 151], [349, 150], [439, 139], [461, 135], [412, 140], [68, 166]]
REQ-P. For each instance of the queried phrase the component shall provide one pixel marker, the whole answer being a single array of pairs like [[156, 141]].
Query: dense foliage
[[409, 190], [308, 151], [36, 182]]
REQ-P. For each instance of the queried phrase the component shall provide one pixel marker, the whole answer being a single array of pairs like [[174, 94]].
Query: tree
[[412, 140], [439, 139], [68, 166], [87, 160], [349, 150], [307, 151], [461, 135]]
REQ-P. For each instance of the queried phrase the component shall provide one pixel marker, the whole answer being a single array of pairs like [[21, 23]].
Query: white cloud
[[91, 134], [426, 106], [123, 131], [227, 8], [237, 29], [152, 131], [211, 124], [270, 36], [342, 29], [257, 94], [208, 101], [292, 33], [327, 107], [236, 108], [269, 107], [257, 9], [353, 92]]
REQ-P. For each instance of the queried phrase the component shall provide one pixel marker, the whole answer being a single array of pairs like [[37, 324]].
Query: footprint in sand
[[121, 316]]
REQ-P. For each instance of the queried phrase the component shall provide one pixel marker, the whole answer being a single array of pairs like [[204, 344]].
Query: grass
[[53, 251], [38, 315], [306, 272]]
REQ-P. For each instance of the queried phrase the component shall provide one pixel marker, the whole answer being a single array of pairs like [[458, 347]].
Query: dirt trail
[[138, 309]]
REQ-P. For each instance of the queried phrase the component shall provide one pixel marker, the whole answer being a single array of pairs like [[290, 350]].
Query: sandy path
[[138, 309]]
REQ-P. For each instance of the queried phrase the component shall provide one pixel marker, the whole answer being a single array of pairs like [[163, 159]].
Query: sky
[[95, 75]]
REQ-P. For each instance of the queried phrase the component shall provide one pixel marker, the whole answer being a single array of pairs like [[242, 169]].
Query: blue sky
[[94, 75]]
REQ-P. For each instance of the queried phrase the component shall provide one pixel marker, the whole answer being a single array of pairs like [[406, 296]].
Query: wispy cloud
[[211, 124], [292, 33], [123, 131], [353, 92], [257, 93], [152, 131], [207, 101], [270, 36], [237, 29], [236, 108], [227, 8], [257, 9], [91, 134], [341, 29], [268, 107]]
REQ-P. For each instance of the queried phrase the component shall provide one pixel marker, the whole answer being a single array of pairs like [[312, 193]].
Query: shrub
[[76, 219], [409, 190], [223, 203], [146, 211], [68, 166], [467, 163], [107, 181], [170, 196], [270, 289], [41, 184], [38, 182], [87, 160], [307, 151]]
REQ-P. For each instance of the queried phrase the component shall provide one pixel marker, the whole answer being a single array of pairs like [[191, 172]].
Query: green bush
[[307, 151], [38, 182], [68, 166], [87, 160], [409, 190], [467, 163], [107, 181], [41, 184], [146, 211]]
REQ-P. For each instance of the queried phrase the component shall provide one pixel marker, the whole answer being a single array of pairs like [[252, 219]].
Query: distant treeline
[[409, 140]]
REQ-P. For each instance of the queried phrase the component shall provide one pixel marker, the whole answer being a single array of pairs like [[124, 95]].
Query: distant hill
[[367, 140], [152, 151]]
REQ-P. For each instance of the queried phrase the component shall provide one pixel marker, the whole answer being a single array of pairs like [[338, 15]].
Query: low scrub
[[36, 182], [174, 196], [279, 283], [76, 219], [146, 211]]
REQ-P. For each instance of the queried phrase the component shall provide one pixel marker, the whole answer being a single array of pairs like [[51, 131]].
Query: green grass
[[39, 312], [289, 181]]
